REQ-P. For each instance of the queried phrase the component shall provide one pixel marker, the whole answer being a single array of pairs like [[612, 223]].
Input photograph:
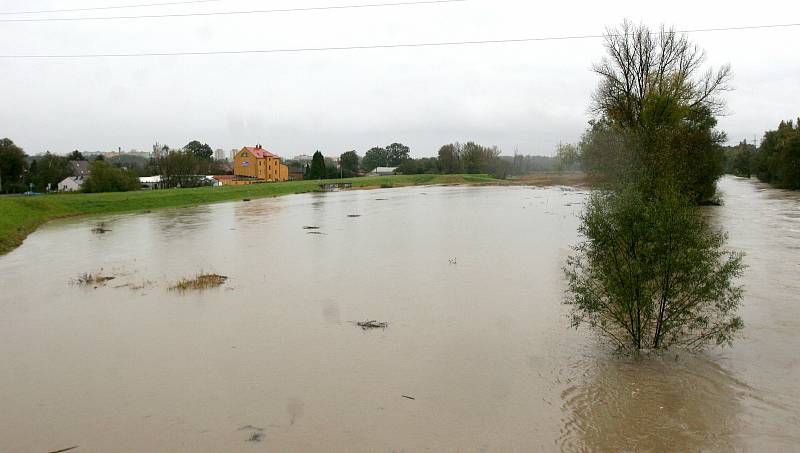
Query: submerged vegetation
[[199, 282], [650, 273], [88, 279]]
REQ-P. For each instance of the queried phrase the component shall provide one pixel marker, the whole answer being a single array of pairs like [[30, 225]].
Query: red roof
[[259, 152]]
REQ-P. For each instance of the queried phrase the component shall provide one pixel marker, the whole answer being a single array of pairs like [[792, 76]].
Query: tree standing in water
[[650, 273]]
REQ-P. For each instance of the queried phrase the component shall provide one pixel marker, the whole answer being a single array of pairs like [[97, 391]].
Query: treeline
[[452, 158], [775, 161], [183, 167]]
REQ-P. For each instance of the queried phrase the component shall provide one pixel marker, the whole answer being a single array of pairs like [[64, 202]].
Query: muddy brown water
[[271, 361]]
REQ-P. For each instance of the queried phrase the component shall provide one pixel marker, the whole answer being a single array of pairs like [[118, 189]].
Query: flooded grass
[[200, 282], [88, 279]]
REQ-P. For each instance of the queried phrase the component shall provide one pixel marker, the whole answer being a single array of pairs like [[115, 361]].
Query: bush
[[651, 274], [107, 178]]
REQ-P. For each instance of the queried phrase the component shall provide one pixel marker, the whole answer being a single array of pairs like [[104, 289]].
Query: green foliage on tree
[[76, 155], [318, 169], [739, 159], [778, 158], [107, 178], [200, 150], [374, 158], [12, 167], [567, 157], [651, 274], [396, 153], [182, 168], [48, 170], [425, 165], [450, 158], [655, 108], [349, 163]]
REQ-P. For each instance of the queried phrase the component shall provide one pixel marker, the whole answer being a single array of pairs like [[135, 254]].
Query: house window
[[244, 154]]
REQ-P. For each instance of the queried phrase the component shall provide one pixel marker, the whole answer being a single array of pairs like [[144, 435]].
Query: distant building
[[71, 184], [297, 173], [219, 154], [80, 168], [383, 171], [303, 158], [259, 165], [150, 182]]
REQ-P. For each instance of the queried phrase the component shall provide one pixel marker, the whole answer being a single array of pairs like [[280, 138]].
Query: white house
[[383, 171], [71, 184]]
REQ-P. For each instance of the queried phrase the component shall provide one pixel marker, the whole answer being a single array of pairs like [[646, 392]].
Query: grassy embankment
[[20, 215]]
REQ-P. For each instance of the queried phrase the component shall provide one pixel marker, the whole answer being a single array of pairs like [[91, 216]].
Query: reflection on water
[[470, 281], [664, 403]]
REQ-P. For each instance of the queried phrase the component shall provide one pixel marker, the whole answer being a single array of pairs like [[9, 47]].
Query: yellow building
[[259, 165]]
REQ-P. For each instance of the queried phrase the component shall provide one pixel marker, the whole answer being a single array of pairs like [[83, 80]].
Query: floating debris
[[245, 199], [310, 227], [87, 279], [354, 215], [408, 397], [64, 449], [101, 229], [453, 260], [255, 437], [372, 325], [203, 281], [381, 199]]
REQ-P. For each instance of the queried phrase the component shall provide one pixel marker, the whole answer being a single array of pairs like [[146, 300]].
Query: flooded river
[[470, 281]]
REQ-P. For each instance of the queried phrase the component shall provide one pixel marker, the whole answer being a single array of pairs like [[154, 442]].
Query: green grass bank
[[21, 215]]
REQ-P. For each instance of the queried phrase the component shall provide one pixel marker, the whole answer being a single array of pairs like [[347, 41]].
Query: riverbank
[[21, 215]]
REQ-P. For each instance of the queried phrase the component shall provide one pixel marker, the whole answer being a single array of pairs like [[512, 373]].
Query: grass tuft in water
[[200, 282]]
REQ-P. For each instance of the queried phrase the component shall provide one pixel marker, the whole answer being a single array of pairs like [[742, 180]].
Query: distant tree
[[318, 169], [182, 168], [651, 274], [477, 158], [307, 172], [49, 170], [739, 159], [450, 158], [349, 162], [200, 150], [107, 178], [375, 157], [425, 165], [778, 158], [12, 167], [100, 157], [76, 155], [567, 157], [396, 153]]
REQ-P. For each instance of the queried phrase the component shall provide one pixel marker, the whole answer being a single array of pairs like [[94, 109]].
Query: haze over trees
[[649, 272]]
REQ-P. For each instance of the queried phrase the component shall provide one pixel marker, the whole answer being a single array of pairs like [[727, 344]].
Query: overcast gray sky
[[527, 96]]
